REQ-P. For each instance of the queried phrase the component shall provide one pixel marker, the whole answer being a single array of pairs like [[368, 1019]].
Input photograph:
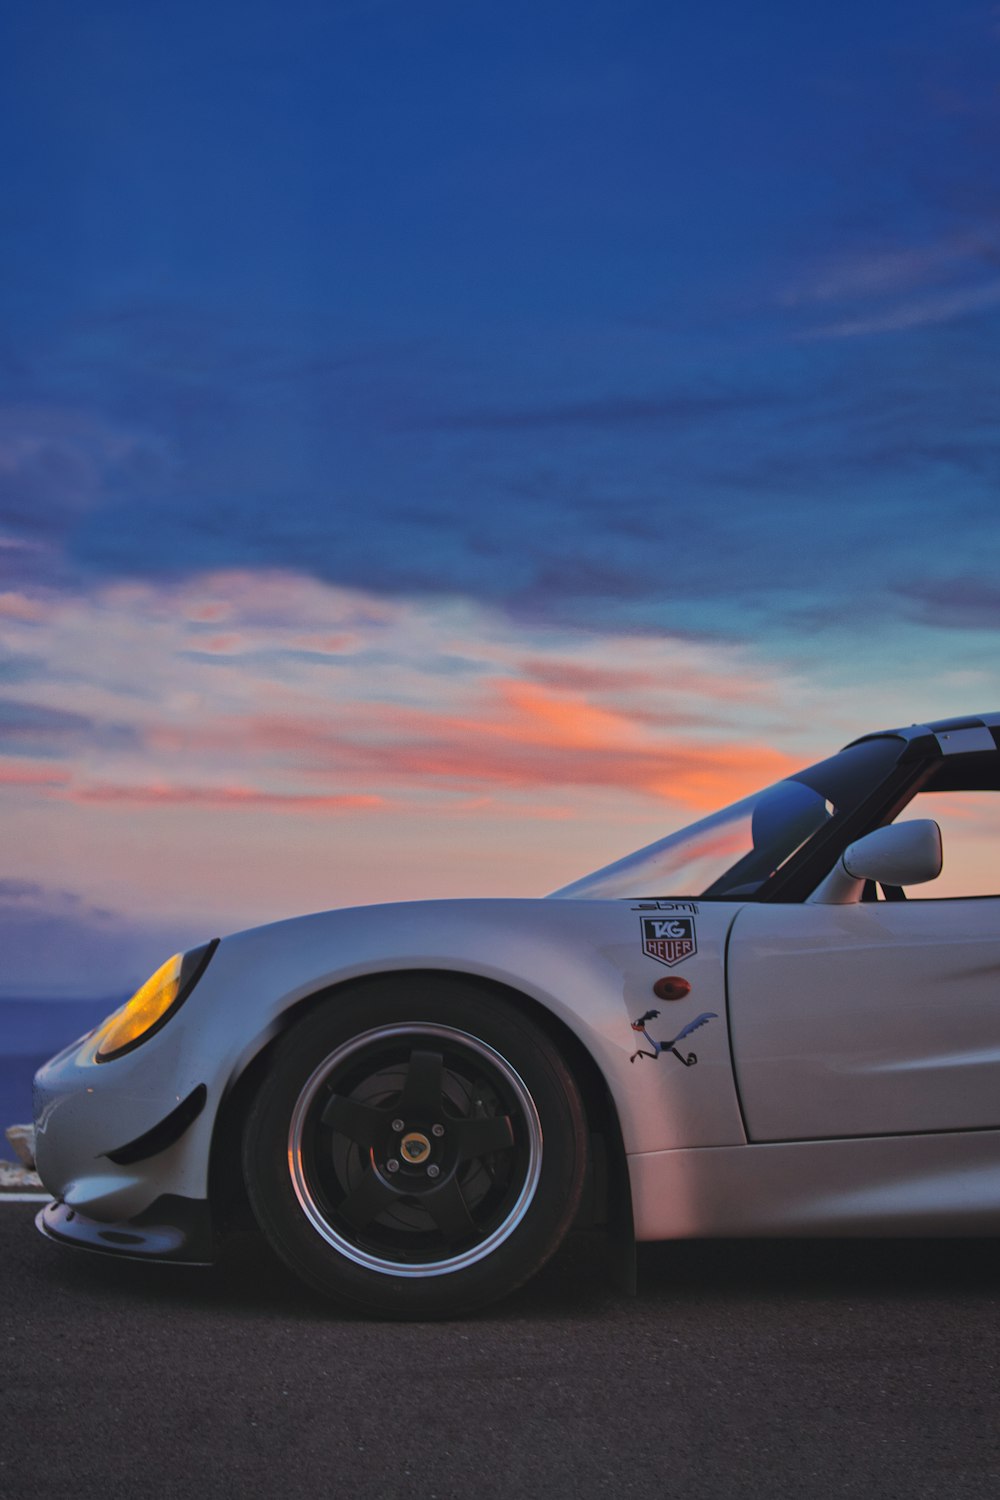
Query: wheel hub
[[415, 1147]]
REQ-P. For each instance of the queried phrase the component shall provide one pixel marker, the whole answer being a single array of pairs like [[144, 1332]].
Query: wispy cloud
[[969, 602], [199, 693], [255, 781], [895, 288], [30, 895], [576, 525], [239, 798], [522, 738], [56, 463], [37, 728], [56, 941], [19, 720], [19, 606], [891, 270], [939, 307], [13, 774]]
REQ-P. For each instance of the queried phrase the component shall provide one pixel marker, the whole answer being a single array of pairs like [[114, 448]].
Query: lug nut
[[433, 1171], [437, 1130], [392, 1165], [397, 1125]]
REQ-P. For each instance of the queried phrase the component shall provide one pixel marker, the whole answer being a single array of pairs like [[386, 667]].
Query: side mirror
[[901, 854]]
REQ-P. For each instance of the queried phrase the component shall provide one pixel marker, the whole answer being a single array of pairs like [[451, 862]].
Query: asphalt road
[[742, 1369]]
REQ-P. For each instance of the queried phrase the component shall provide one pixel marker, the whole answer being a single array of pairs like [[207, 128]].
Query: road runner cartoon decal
[[668, 939], [671, 1046]]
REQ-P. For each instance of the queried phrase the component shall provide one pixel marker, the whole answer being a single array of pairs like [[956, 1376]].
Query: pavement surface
[[742, 1369]]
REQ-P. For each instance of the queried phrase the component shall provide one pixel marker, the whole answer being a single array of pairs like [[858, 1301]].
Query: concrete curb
[[17, 1179], [20, 1176]]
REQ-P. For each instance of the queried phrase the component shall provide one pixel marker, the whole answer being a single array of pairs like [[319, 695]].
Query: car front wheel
[[417, 1148]]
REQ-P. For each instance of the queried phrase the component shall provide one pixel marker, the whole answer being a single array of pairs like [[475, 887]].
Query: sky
[[445, 446]]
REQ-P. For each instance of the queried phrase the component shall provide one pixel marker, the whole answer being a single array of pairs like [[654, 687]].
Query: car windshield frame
[[754, 838]]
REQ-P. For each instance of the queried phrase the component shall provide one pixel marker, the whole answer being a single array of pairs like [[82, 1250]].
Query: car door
[[881, 1018]]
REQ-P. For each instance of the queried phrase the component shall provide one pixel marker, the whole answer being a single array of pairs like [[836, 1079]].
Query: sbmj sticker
[[668, 939]]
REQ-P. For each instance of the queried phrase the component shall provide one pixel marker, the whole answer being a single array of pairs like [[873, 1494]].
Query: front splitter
[[175, 1230]]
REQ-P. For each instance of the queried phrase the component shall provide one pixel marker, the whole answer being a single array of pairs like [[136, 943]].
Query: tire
[[417, 1149]]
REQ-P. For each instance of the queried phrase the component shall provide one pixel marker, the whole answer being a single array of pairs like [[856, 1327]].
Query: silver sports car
[[745, 1028]]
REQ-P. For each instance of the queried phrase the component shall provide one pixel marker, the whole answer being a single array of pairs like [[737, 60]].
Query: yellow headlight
[[151, 1004], [144, 1009]]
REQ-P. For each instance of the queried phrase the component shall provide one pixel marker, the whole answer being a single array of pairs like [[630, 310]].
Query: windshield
[[732, 852]]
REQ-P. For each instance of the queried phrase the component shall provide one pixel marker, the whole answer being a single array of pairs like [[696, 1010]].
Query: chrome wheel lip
[[313, 1211]]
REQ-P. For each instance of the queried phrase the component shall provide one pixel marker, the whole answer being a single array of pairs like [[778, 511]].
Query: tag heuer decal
[[668, 939]]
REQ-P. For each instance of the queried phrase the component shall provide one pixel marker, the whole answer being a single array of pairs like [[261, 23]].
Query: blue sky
[[550, 336]]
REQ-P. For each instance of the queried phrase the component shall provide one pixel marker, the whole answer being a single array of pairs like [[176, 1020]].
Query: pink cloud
[[535, 744], [161, 794], [223, 645], [209, 613], [328, 645], [670, 675], [578, 677], [15, 606], [14, 774], [699, 776]]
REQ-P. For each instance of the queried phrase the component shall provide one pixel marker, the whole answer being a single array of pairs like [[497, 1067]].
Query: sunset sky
[[444, 446]]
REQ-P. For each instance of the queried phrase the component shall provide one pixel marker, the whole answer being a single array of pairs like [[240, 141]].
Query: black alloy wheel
[[417, 1149]]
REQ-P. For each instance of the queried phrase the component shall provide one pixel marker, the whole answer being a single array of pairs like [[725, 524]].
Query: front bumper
[[124, 1148]]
